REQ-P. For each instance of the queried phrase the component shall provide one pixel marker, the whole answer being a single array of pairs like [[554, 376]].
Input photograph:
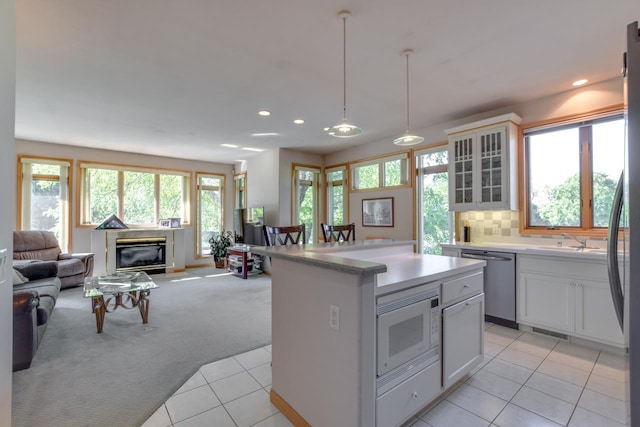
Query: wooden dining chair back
[[281, 236], [339, 233]]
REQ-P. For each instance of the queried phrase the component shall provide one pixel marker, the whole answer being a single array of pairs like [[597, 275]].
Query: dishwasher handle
[[485, 257]]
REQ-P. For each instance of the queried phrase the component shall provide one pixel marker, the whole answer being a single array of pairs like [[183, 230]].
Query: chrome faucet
[[583, 242]]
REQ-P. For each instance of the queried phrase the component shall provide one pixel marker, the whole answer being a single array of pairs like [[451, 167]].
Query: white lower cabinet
[[546, 300], [462, 338], [393, 407], [567, 296], [595, 314]]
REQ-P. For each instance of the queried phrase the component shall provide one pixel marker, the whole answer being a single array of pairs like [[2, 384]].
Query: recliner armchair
[[35, 245], [33, 303]]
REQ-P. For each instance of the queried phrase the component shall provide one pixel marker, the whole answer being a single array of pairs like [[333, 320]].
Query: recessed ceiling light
[[580, 82], [230, 145], [265, 134], [264, 113], [298, 121], [252, 149]]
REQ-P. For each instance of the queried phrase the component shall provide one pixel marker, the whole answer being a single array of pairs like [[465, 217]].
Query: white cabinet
[[462, 326], [462, 338], [483, 164], [569, 296], [393, 407], [546, 300]]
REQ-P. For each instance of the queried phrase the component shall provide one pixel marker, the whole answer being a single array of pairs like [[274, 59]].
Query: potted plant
[[219, 245]]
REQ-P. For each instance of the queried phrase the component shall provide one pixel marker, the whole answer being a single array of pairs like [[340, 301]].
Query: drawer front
[[588, 269], [401, 402], [462, 287]]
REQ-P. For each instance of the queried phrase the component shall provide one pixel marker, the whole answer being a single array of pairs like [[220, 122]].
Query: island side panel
[[316, 369]]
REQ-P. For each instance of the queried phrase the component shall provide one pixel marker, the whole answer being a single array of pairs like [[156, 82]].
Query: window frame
[[315, 187], [199, 253], [82, 206], [586, 172], [405, 167], [421, 171], [66, 223], [328, 193], [240, 190]]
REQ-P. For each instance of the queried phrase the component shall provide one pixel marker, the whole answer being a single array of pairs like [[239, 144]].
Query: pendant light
[[344, 129], [408, 138]]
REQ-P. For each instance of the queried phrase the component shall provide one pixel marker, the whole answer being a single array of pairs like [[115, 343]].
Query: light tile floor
[[524, 380]]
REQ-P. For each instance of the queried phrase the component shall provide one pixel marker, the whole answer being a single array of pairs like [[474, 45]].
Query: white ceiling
[[179, 78]]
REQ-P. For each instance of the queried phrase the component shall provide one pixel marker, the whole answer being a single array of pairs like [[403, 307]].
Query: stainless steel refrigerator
[[625, 218]]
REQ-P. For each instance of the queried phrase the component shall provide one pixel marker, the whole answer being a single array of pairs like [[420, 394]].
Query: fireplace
[[141, 254]]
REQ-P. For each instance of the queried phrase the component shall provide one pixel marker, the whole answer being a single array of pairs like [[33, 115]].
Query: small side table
[[242, 255]]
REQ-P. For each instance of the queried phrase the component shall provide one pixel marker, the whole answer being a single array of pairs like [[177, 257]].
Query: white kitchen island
[[324, 329]]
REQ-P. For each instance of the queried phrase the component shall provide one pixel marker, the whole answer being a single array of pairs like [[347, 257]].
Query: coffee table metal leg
[[143, 305], [99, 309]]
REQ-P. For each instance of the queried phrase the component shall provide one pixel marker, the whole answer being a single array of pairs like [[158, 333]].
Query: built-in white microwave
[[408, 324]]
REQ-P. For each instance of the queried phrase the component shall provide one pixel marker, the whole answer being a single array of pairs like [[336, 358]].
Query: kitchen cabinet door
[[546, 300], [483, 164], [570, 296], [595, 315], [462, 338]]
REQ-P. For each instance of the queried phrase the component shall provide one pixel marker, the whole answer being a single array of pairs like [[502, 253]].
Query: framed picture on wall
[[377, 212]]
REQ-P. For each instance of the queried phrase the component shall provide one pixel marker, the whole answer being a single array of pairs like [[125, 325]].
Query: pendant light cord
[[344, 67], [407, 56]]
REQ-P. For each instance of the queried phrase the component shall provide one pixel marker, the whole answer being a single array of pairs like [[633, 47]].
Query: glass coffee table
[[126, 289]]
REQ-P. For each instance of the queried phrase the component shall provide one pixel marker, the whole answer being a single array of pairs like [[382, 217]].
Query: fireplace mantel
[[103, 245]]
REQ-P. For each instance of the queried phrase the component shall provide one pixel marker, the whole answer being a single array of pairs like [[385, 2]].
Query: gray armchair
[[31, 246]]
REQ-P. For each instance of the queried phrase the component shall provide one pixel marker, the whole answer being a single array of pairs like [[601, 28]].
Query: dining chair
[[339, 233], [288, 235]]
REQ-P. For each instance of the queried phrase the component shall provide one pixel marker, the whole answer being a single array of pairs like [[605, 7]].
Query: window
[[44, 197], [305, 199], [337, 195], [392, 171], [571, 172], [136, 195], [240, 184], [432, 187], [210, 221]]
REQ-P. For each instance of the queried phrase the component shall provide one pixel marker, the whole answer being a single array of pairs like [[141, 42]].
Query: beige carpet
[[120, 377]]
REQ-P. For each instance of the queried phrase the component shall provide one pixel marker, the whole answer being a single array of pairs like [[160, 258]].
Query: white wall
[[8, 196], [402, 215], [572, 102], [81, 236], [262, 184]]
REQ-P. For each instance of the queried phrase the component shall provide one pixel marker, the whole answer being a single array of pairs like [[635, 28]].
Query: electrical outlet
[[334, 317]]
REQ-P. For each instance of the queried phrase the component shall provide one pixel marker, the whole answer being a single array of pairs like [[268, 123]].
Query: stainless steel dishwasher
[[499, 285]]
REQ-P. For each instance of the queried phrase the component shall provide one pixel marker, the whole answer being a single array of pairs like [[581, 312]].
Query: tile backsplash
[[489, 224], [503, 226]]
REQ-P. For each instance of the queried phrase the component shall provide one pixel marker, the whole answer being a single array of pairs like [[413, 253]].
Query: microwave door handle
[[612, 252]]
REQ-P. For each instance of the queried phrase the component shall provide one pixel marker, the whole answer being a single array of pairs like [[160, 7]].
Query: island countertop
[[393, 261]]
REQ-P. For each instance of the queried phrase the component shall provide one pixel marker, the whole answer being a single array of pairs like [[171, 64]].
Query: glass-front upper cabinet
[[483, 164]]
